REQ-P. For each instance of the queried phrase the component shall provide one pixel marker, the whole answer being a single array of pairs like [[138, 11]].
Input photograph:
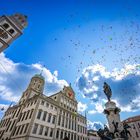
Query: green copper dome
[[39, 76]]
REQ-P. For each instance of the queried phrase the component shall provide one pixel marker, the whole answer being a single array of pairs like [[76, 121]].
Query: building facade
[[92, 135], [10, 29], [134, 123], [39, 117]]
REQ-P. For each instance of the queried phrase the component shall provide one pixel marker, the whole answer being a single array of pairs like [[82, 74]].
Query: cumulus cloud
[[15, 77], [82, 107], [94, 125], [124, 82], [98, 108]]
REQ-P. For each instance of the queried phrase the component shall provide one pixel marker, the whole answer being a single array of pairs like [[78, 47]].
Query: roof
[[132, 119], [39, 76]]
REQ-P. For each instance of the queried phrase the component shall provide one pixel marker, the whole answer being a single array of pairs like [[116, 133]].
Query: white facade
[[38, 117]]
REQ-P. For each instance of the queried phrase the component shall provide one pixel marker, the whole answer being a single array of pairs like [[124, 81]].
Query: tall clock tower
[[11, 28], [35, 87]]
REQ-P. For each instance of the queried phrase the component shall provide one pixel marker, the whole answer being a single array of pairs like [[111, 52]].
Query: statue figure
[[107, 91], [102, 135], [115, 126]]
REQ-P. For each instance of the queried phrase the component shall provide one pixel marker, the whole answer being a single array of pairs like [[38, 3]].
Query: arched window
[[5, 25], [11, 31]]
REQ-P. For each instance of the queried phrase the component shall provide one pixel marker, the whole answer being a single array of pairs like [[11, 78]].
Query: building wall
[[134, 123], [92, 135], [10, 29], [38, 117]]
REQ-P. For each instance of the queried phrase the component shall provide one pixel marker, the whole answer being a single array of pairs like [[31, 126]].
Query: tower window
[[5, 25], [11, 31], [38, 86]]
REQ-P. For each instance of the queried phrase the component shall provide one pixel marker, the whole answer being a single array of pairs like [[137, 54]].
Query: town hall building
[[39, 117]]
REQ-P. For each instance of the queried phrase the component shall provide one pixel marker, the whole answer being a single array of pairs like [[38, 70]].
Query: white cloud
[[92, 111], [3, 107], [124, 82], [15, 77], [94, 125], [82, 107], [98, 108]]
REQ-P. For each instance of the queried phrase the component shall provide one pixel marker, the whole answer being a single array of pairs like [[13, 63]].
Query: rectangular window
[[51, 132], [61, 135], [8, 126], [59, 120], [21, 129], [18, 112], [57, 134], [35, 128], [42, 103], [137, 134], [49, 118], [18, 128], [41, 130], [46, 131], [14, 131], [27, 114], [44, 116], [12, 125], [63, 122], [66, 123], [26, 127], [39, 114], [23, 116], [31, 113], [54, 117]]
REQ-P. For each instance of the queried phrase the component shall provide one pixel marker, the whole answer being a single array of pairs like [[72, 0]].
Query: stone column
[[113, 116]]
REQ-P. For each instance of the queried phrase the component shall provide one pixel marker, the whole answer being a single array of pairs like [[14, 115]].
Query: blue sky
[[82, 42]]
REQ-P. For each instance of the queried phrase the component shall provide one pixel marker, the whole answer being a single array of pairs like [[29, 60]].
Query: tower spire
[[42, 70]]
